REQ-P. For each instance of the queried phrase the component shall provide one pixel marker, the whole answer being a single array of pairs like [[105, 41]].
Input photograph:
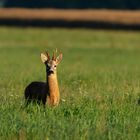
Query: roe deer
[[49, 90]]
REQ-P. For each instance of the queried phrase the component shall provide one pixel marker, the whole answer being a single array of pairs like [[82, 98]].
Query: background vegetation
[[111, 4], [99, 80]]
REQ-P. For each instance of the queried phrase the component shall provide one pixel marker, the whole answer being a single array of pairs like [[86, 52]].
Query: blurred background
[[122, 14], [80, 4]]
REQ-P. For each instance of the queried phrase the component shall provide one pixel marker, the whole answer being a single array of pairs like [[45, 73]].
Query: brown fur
[[54, 96]]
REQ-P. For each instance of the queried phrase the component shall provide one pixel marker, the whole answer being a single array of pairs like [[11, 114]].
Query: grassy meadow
[[99, 80]]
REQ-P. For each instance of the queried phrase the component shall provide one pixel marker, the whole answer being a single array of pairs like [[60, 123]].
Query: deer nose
[[51, 70]]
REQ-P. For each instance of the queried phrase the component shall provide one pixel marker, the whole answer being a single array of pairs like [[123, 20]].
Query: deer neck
[[53, 89]]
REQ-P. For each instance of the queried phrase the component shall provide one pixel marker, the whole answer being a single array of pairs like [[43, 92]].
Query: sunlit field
[[99, 79]]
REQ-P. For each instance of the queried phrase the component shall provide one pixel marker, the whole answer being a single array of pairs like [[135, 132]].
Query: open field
[[71, 18], [99, 79], [113, 16]]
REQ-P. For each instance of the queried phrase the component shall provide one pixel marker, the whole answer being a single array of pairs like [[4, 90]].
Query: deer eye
[[55, 66]]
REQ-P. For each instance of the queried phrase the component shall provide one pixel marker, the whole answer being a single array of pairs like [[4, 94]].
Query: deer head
[[51, 63]]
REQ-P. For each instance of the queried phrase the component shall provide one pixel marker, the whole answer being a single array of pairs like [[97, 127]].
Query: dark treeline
[[67, 24], [72, 4]]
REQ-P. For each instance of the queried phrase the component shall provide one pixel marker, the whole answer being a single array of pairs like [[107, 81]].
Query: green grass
[[99, 79]]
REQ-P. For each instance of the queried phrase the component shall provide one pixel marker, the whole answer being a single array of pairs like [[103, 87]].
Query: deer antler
[[47, 54], [54, 54], [56, 50]]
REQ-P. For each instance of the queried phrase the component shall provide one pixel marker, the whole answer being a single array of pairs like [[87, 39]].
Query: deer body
[[36, 91], [49, 90]]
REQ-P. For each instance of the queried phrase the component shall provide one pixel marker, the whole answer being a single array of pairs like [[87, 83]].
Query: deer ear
[[44, 58], [59, 58]]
